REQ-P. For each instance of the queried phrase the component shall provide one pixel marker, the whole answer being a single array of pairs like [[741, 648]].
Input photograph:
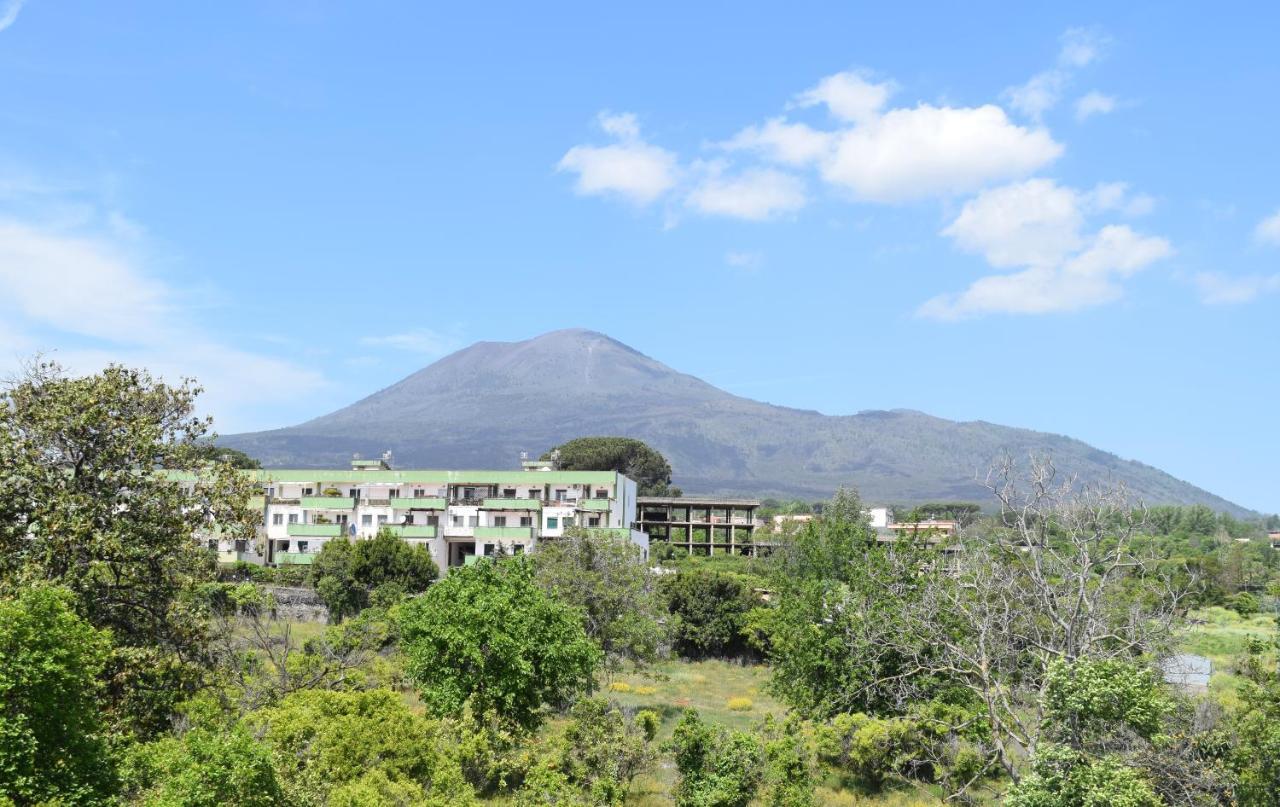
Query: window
[[553, 522], [393, 494], [568, 522], [241, 545], [602, 494], [419, 493], [526, 521], [293, 518], [488, 550], [366, 520], [213, 544], [560, 494], [354, 493], [473, 521], [382, 520], [341, 518], [277, 519], [302, 546], [433, 521], [509, 493], [308, 491], [518, 549], [408, 518], [499, 521], [457, 521], [535, 494], [594, 521]]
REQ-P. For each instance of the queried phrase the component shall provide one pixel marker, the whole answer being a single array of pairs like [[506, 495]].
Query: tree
[[210, 452], [718, 768], [106, 494], [488, 636], [349, 576], [358, 744], [632, 458], [709, 611], [205, 767], [602, 750], [52, 748], [606, 579]]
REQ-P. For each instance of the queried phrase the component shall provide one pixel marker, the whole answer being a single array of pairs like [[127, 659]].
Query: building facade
[[458, 515], [703, 526]]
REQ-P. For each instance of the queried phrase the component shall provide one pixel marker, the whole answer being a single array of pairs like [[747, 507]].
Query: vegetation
[[1019, 664], [649, 469]]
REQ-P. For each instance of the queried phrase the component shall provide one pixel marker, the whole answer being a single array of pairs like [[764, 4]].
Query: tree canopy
[[350, 576], [634, 458]]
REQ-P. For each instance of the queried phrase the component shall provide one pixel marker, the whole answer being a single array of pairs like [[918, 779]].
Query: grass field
[[1221, 635]]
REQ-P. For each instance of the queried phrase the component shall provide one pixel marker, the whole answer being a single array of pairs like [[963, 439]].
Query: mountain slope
[[483, 405]]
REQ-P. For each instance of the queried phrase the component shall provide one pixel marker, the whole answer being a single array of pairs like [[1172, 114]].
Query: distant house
[[1274, 537], [932, 528], [1187, 672]]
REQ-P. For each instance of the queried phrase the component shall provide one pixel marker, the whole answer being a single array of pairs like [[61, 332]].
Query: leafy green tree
[[633, 458], [709, 613], [606, 578], [1061, 777], [107, 490], [323, 741], [1254, 754], [602, 751], [718, 768], [349, 576], [52, 749], [487, 635], [788, 776], [233, 457], [205, 767]]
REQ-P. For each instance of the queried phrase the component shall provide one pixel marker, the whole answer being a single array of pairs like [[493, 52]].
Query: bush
[[740, 704], [51, 744], [621, 686], [1244, 604], [203, 767], [716, 767], [709, 613]]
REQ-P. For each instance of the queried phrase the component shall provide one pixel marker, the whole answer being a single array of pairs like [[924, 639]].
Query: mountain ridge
[[480, 406]]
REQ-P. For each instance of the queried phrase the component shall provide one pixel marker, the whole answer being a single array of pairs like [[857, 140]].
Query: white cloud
[[1268, 230], [1094, 103], [782, 142], [1217, 288], [1032, 223], [914, 153], [1115, 196], [1039, 225], [9, 13], [755, 194], [1080, 48], [848, 96], [747, 261], [419, 340], [630, 168], [63, 289]]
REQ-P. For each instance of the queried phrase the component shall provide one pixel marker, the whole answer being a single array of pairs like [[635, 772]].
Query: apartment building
[[458, 515], [704, 526]]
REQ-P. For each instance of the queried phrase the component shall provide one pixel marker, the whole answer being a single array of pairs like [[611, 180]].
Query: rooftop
[[697, 501]]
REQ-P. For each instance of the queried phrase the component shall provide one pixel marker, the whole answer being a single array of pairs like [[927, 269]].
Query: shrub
[[645, 690], [740, 704], [621, 686]]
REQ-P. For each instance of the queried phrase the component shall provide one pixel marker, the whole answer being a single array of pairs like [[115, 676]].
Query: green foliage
[[1089, 701], [205, 767], [868, 748], [634, 459], [209, 452], [788, 775], [489, 636], [51, 744], [607, 580], [717, 768], [1061, 777], [709, 613], [602, 751], [1244, 604], [89, 504], [351, 576], [321, 742], [1255, 757]]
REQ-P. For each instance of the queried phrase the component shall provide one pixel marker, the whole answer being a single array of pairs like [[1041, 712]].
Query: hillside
[[482, 406]]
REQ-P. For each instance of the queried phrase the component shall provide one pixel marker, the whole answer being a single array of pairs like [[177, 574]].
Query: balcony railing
[[512, 504], [327, 502], [595, 504], [503, 532], [413, 530], [296, 558], [419, 503], [315, 530]]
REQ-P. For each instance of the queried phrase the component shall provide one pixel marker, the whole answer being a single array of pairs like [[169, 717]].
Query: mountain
[[482, 406]]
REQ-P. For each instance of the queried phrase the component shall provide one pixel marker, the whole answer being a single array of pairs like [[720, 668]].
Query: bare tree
[[1060, 578]]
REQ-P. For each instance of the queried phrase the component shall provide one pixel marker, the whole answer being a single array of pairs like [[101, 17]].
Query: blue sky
[[1067, 220]]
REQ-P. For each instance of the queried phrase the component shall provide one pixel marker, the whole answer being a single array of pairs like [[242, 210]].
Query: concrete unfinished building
[[703, 526]]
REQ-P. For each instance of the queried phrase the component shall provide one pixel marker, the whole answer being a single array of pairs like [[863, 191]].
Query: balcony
[[458, 531], [327, 502], [423, 503], [295, 558], [413, 530], [595, 504], [503, 532], [512, 504], [315, 531]]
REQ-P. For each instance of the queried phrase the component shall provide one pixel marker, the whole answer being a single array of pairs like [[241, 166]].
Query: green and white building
[[459, 515]]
